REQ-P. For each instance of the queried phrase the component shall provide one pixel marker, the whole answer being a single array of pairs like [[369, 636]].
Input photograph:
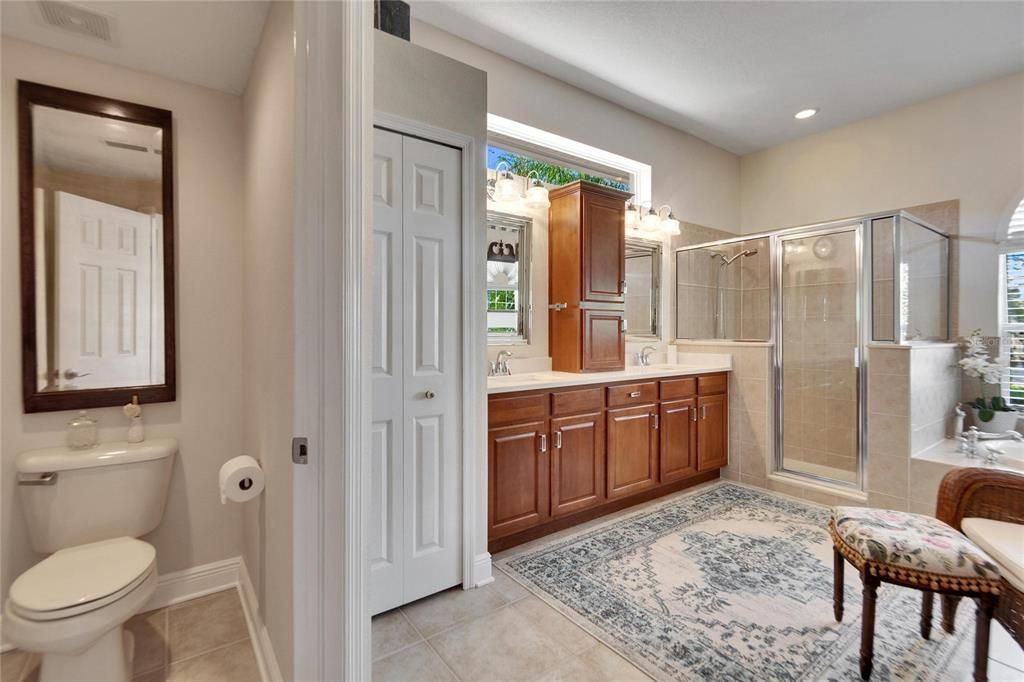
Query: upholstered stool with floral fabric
[[914, 551]]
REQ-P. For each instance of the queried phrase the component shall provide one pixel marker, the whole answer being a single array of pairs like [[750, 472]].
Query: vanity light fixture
[[632, 215], [537, 194], [651, 220], [505, 185], [805, 113], [670, 224]]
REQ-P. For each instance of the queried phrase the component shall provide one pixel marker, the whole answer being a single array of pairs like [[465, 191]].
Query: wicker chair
[[985, 494]]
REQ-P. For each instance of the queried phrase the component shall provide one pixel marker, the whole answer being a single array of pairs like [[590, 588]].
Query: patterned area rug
[[732, 583]]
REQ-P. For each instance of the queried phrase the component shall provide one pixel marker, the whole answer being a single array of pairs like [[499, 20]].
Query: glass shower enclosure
[[819, 295]]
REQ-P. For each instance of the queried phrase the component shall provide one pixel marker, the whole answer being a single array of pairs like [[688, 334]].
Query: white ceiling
[[734, 73], [209, 43]]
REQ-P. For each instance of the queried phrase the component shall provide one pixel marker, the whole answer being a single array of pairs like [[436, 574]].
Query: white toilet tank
[[72, 497]]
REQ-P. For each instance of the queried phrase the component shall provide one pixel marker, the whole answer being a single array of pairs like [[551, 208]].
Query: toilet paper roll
[[241, 479]]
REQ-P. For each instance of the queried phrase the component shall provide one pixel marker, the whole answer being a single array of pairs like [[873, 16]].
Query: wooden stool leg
[[837, 578], [867, 634], [949, 604], [986, 605], [927, 600]]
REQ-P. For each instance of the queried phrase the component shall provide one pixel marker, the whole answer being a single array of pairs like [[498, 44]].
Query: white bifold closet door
[[416, 536]]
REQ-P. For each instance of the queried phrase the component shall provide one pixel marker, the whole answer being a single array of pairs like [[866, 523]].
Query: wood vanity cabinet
[[587, 273], [563, 456]]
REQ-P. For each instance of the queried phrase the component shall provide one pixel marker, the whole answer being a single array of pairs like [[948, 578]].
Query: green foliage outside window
[[500, 300], [554, 174]]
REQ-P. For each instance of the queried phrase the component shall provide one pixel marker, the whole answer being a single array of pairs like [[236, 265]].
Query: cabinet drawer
[[714, 383], [519, 409], [572, 402], [632, 394], [675, 389]]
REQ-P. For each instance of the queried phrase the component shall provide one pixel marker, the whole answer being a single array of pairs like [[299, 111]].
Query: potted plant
[[992, 415]]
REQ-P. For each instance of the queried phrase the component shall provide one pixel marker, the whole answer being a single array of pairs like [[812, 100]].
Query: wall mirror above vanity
[[643, 287], [97, 250], [508, 278]]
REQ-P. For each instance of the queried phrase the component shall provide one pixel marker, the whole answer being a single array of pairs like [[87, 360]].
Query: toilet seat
[[81, 579]]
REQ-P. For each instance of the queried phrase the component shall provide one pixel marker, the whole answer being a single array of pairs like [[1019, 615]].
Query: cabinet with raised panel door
[[563, 456]]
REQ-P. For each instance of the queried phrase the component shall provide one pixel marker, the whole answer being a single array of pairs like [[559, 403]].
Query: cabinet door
[[604, 248], [604, 340], [632, 450], [518, 471], [577, 463], [678, 452], [712, 432]]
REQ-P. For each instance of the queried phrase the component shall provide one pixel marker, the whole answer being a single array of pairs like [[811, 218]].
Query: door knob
[[70, 374], [429, 395]]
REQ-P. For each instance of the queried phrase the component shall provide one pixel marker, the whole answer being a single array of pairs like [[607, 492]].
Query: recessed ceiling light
[[805, 113]]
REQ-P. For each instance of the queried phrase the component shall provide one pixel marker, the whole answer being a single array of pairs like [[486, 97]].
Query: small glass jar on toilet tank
[[82, 432]]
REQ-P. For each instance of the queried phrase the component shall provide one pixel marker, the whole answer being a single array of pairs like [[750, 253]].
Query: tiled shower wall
[[912, 392]]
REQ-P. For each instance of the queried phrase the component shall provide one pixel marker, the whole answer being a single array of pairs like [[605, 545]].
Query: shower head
[[741, 254]]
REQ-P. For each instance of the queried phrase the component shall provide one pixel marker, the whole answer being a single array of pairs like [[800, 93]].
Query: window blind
[[1017, 222], [1012, 326]]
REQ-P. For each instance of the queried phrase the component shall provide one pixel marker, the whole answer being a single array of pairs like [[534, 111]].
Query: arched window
[[1016, 228]]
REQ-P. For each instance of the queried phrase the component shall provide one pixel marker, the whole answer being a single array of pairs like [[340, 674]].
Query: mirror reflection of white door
[[104, 294]]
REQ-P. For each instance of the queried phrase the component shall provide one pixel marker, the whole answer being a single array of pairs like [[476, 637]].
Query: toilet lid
[[75, 576]]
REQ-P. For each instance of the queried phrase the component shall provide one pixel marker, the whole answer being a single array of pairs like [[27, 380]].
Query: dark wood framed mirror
[[96, 202]]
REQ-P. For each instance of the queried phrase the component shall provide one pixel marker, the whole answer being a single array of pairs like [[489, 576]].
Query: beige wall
[[967, 145], [698, 179], [267, 350], [207, 417]]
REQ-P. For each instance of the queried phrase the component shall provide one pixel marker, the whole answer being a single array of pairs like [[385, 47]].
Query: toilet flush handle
[[48, 478]]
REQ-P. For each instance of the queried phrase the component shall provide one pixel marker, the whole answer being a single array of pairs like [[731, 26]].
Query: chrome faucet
[[644, 356], [500, 368], [972, 438]]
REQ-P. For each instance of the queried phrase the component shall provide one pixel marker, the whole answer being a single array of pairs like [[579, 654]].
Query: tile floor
[[201, 640], [503, 632]]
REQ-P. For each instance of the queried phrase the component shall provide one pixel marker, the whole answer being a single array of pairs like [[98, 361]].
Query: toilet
[[86, 509]]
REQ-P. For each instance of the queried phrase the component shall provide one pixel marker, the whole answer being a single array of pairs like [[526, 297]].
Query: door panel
[[387, 527], [712, 432], [517, 461], [604, 340], [678, 452], [416, 543], [604, 249], [632, 450], [430, 292], [577, 463]]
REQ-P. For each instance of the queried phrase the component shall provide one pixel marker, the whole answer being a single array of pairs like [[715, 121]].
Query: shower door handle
[[856, 357]]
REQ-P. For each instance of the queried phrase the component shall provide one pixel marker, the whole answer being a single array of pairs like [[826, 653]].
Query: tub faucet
[[969, 442], [644, 356]]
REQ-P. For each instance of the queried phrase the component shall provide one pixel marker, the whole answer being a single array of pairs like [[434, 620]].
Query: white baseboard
[[261, 645], [190, 583], [482, 570]]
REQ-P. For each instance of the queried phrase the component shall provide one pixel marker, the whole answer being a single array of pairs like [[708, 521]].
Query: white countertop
[[541, 380]]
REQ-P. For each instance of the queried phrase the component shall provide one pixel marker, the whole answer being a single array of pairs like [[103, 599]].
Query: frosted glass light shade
[[632, 217], [670, 226], [650, 222], [505, 188], [537, 196]]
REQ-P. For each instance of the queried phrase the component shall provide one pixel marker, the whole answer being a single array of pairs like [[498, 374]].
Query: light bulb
[[537, 195]]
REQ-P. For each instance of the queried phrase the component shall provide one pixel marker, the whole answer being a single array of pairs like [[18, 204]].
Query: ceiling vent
[[77, 19]]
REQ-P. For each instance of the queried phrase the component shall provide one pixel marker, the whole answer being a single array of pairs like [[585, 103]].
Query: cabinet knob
[[429, 395]]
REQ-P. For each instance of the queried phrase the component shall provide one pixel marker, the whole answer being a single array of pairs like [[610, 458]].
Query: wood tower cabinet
[[587, 276]]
